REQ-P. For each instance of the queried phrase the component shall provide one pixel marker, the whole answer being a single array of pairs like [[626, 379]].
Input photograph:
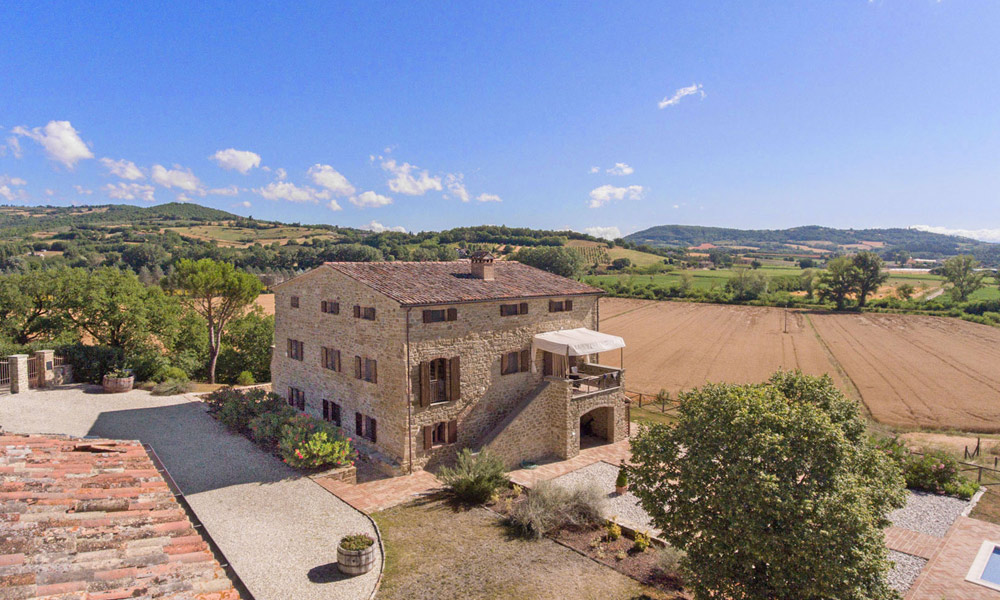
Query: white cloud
[[984, 235], [370, 199], [606, 193], [456, 186], [182, 197], [283, 190], [82, 190], [377, 227], [128, 191], [50, 192], [231, 190], [7, 188], [405, 183], [333, 205], [681, 93], [61, 142], [595, 169], [125, 169], [15, 147], [281, 174], [236, 160], [621, 169], [488, 198], [177, 177], [608, 233], [245, 204], [328, 177]]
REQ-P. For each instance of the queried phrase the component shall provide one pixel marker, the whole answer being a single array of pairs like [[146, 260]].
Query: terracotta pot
[[621, 489], [117, 385], [355, 562]]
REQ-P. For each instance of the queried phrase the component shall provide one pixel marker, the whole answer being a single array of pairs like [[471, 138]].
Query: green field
[[244, 235]]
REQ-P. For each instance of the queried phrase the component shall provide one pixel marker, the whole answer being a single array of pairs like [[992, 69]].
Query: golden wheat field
[[910, 371]]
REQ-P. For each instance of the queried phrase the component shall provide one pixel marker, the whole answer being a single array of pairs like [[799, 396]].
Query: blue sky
[[551, 115]]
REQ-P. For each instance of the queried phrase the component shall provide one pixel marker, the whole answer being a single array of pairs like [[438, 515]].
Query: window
[[366, 369], [510, 310], [440, 381], [296, 398], [439, 315], [366, 427], [331, 359], [331, 412], [296, 349], [364, 312], [295, 301], [439, 434], [560, 306], [514, 362], [330, 307]]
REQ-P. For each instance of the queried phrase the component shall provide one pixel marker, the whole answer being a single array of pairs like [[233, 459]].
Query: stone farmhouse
[[414, 360]]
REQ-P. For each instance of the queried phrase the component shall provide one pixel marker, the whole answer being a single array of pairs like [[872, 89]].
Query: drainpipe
[[409, 399]]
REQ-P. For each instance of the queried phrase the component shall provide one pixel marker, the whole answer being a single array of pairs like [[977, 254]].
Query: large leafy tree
[[963, 275], [29, 305], [870, 275], [218, 292], [554, 259], [839, 281], [774, 490]]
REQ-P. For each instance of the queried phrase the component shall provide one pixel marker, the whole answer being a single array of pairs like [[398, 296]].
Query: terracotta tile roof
[[417, 283], [94, 519]]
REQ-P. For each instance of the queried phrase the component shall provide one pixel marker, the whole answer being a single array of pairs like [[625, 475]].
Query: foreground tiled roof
[[412, 283], [93, 519]]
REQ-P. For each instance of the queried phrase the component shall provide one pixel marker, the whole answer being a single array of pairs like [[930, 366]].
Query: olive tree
[[218, 292], [773, 490]]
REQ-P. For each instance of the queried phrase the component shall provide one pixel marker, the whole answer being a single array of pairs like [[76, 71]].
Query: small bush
[[245, 378], [614, 531], [962, 489], [172, 387], [622, 479], [358, 541], [168, 373], [475, 478], [266, 429], [668, 560], [931, 471], [309, 443], [641, 542], [550, 508], [236, 408]]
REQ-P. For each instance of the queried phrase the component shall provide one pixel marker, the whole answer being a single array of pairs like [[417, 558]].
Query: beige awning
[[577, 342]]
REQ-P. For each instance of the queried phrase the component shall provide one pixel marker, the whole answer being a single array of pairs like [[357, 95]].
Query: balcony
[[592, 379]]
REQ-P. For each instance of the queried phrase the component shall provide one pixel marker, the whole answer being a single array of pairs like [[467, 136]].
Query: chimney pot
[[482, 266]]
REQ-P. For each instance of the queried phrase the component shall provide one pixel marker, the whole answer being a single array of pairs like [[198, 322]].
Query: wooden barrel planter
[[117, 385], [356, 562]]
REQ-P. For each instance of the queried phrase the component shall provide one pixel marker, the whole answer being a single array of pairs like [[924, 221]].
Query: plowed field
[[910, 371]]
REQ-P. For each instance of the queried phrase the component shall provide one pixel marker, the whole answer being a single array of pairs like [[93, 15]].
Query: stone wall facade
[[399, 340]]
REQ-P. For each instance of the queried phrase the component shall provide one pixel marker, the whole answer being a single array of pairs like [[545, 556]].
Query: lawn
[[436, 551]]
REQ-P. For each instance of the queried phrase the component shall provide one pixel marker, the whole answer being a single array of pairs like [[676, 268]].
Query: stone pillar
[[18, 364], [46, 359]]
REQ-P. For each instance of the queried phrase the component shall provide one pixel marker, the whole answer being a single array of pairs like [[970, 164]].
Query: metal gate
[[4, 376], [36, 372]]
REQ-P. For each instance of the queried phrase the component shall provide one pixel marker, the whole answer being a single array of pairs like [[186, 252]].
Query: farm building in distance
[[418, 359]]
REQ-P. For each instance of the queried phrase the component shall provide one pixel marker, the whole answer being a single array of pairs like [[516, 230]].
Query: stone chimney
[[482, 266]]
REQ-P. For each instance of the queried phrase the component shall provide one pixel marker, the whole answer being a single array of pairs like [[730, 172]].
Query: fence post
[[18, 373]]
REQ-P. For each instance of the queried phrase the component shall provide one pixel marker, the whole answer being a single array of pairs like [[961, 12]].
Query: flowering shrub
[[931, 471], [308, 443], [266, 429], [236, 408]]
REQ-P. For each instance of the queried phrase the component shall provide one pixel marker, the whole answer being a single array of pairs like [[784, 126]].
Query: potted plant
[[621, 483], [356, 554], [118, 380]]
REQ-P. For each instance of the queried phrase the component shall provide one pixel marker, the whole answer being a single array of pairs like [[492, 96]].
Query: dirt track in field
[[910, 371]]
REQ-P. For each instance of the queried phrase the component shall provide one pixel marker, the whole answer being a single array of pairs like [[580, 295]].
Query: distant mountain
[[919, 243]]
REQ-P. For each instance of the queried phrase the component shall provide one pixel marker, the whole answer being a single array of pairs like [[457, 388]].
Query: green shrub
[[245, 378], [930, 471], [550, 508], [641, 541], [308, 443], [614, 531], [236, 408], [172, 387], [668, 560], [622, 479], [962, 489], [358, 541], [175, 373], [475, 478], [266, 429], [90, 363]]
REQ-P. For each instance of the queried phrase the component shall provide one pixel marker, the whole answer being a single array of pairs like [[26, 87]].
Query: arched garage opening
[[597, 427]]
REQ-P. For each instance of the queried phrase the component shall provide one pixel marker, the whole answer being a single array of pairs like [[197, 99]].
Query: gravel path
[[928, 513], [623, 509], [905, 571], [278, 529]]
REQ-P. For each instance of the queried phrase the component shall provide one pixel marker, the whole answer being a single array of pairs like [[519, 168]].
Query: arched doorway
[[597, 427]]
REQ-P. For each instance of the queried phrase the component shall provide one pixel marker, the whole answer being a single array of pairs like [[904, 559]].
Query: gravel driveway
[[279, 530]]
